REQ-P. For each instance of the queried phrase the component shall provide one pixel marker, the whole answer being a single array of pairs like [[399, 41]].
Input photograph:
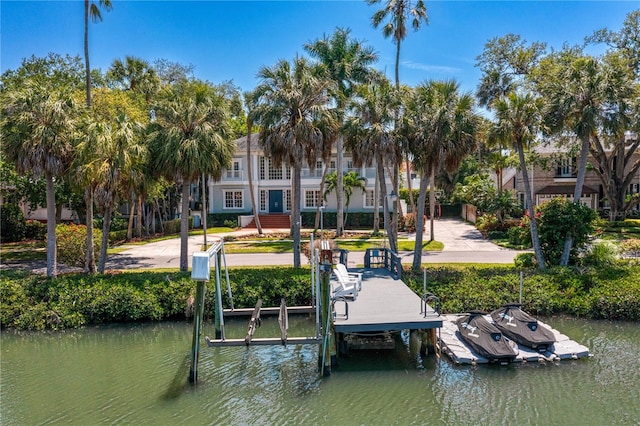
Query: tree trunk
[[87, 69], [409, 186], [582, 171], [376, 204], [385, 204], [432, 202], [106, 225], [254, 203], [396, 205], [132, 206], [419, 217], [52, 255], [204, 209], [295, 215], [184, 228], [340, 187], [323, 181], [140, 216], [90, 260], [527, 189]]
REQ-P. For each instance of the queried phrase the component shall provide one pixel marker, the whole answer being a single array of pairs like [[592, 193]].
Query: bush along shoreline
[[34, 302]]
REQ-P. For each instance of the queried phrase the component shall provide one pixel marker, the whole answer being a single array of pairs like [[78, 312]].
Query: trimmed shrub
[[559, 217], [12, 223], [71, 242], [35, 230]]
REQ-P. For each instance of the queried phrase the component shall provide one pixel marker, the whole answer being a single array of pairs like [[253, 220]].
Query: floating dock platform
[[451, 344]]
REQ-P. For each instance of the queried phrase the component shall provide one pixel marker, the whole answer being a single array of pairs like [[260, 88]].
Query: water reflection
[[138, 374]]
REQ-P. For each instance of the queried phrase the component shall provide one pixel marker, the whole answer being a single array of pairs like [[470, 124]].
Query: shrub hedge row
[[34, 302]]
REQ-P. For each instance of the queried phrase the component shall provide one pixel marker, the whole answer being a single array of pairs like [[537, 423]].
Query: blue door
[[275, 201]]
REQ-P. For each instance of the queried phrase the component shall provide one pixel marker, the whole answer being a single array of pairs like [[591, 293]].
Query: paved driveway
[[462, 243]]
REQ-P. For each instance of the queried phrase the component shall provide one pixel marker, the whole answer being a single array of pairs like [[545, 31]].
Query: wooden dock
[[384, 304]]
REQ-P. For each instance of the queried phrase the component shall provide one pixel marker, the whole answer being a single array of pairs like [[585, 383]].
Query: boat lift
[[201, 268]]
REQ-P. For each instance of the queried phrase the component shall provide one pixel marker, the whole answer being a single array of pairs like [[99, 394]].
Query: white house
[[272, 185]]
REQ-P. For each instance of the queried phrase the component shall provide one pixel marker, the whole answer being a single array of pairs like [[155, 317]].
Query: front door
[[275, 201]]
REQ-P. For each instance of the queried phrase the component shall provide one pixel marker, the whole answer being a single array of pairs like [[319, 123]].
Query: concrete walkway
[[462, 243]]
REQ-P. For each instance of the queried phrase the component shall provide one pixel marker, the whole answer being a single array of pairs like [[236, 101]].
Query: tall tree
[[441, 128], [370, 137], [396, 13], [91, 10], [120, 152], [518, 123], [37, 127], [250, 103], [574, 88], [294, 105], [346, 62], [134, 74], [189, 138]]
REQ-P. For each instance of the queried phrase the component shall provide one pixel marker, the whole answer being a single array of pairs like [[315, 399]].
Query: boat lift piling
[[201, 273]]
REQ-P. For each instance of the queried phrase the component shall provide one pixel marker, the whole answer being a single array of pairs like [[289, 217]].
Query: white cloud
[[431, 68]]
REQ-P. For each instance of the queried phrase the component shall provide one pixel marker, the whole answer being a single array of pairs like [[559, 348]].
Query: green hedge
[[34, 302], [601, 293]]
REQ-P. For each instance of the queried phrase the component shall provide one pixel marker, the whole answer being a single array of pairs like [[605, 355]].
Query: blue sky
[[231, 40]]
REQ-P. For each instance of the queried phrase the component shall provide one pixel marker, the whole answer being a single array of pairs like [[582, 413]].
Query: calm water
[[137, 375]]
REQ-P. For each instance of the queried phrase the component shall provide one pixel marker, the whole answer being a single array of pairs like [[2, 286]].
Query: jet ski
[[485, 338], [522, 328]]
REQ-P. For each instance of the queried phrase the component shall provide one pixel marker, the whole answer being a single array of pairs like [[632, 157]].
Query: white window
[[233, 200], [235, 172], [287, 201], [275, 173], [368, 199], [263, 200], [312, 199]]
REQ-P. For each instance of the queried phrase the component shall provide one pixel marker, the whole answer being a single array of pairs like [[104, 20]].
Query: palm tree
[[91, 10], [346, 63], [87, 177], [190, 138], [293, 108], [352, 180], [135, 75], [518, 119], [575, 88], [369, 136], [120, 152], [397, 13], [440, 127], [250, 102], [37, 128]]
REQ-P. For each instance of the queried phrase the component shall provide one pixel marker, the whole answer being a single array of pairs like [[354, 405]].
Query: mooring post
[[197, 331], [324, 357]]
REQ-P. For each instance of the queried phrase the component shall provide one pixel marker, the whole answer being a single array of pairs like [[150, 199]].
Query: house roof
[[565, 189], [241, 143]]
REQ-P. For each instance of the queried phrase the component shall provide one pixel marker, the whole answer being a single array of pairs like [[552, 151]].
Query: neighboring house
[[558, 179], [272, 186], [38, 213]]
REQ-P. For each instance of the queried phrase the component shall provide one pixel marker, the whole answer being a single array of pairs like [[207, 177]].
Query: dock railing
[[383, 258]]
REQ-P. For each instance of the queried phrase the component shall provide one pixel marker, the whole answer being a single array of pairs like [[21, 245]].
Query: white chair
[[343, 290], [341, 270]]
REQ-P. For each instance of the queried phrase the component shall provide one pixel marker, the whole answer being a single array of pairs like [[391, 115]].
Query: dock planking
[[385, 304]]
